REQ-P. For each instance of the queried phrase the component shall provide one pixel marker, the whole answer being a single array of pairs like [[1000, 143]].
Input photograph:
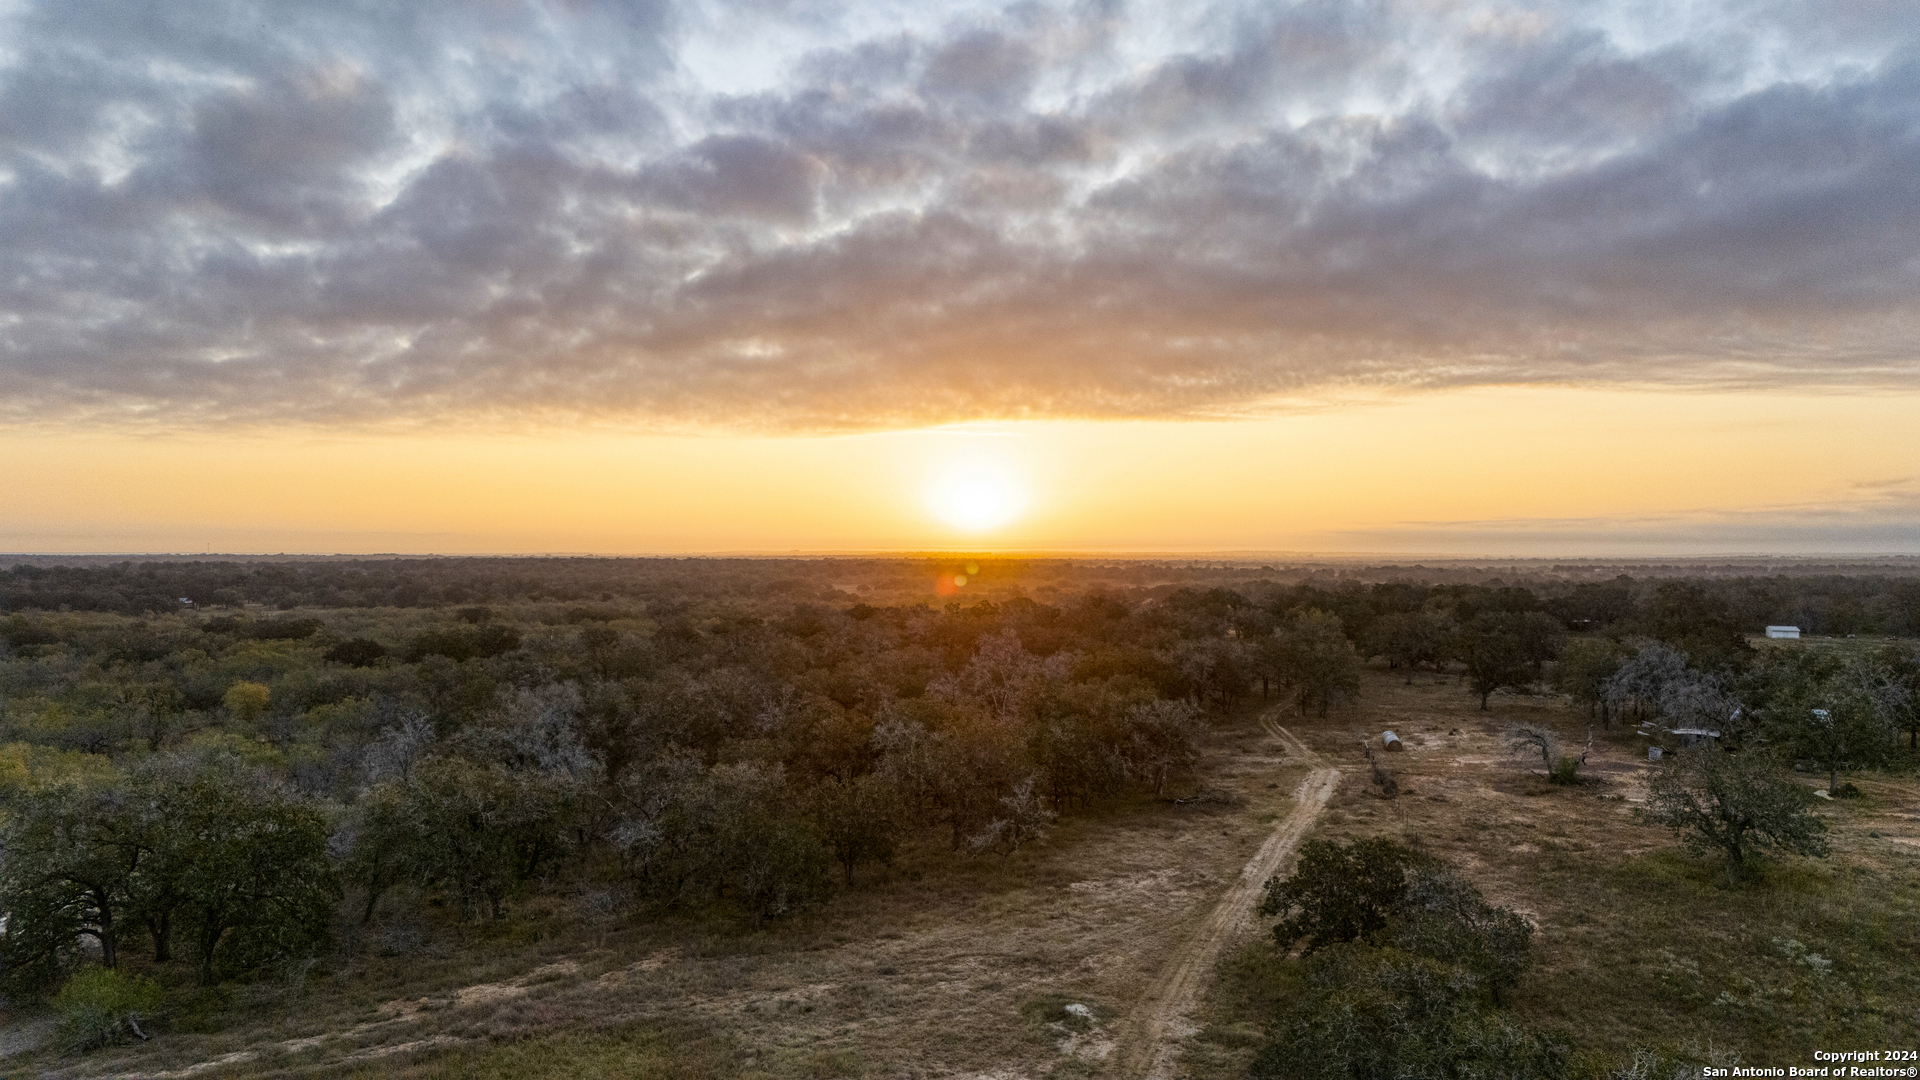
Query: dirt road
[[1161, 1021]]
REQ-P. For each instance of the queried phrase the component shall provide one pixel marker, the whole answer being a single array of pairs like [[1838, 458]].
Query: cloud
[[1872, 519], [822, 216]]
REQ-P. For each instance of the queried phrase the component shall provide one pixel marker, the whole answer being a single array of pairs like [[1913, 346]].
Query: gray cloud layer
[[786, 215]]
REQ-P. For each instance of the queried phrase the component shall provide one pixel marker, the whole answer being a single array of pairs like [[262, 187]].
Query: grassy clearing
[[1638, 943], [631, 1051]]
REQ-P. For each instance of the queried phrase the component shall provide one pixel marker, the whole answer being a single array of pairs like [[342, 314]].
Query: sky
[[1413, 276]]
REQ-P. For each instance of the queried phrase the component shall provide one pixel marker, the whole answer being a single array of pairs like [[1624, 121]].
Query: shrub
[[99, 1007], [356, 652], [286, 629], [1370, 1012], [1739, 804], [1565, 771], [477, 642], [1406, 964]]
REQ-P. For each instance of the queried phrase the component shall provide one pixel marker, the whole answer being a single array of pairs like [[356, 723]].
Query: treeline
[[1876, 603]]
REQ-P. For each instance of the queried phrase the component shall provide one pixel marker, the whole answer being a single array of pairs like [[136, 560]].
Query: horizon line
[[1235, 555]]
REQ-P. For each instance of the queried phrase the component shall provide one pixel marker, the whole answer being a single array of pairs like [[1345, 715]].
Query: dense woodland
[[228, 765]]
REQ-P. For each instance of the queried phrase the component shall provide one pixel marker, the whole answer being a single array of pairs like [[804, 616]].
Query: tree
[[247, 701], [1314, 660], [202, 843], [1022, 816], [1841, 715], [1506, 649], [1161, 740], [1443, 916], [255, 883], [1405, 963], [692, 833], [1582, 671], [1740, 804], [1694, 621], [71, 852], [478, 831], [1339, 892], [1368, 1013], [1411, 638], [355, 652], [459, 643], [485, 813], [1642, 680], [1902, 694], [382, 847], [859, 819]]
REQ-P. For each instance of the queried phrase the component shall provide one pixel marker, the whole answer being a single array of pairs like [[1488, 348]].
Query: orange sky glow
[[1507, 470]]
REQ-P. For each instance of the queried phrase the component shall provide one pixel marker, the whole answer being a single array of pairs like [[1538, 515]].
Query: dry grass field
[[944, 968], [1638, 944]]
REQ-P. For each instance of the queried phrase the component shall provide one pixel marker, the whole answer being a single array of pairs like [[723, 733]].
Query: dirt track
[[1156, 1028]]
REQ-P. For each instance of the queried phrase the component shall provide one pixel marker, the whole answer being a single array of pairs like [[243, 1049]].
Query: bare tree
[[1023, 816], [1524, 737]]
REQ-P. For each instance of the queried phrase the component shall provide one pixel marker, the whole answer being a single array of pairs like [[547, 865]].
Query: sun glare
[[977, 494]]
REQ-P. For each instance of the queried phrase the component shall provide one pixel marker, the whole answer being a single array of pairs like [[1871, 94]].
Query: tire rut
[[1161, 1021]]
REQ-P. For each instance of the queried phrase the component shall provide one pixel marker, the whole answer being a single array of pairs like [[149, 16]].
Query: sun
[[977, 493]]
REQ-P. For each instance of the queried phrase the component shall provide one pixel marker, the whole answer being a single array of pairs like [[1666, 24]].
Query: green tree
[[202, 843], [355, 652], [1696, 622], [477, 831], [1582, 671], [1507, 649], [693, 834], [1405, 964], [1840, 714], [1443, 916], [1372, 1013], [383, 848], [1314, 660], [247, 864], [859, 819], [1339, 892], [71, 854], [1901, 665], [1411, 638], [1739, 804]]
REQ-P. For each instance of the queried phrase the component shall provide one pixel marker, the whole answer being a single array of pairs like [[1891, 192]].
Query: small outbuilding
[[1790, 633], [1691, 737]]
